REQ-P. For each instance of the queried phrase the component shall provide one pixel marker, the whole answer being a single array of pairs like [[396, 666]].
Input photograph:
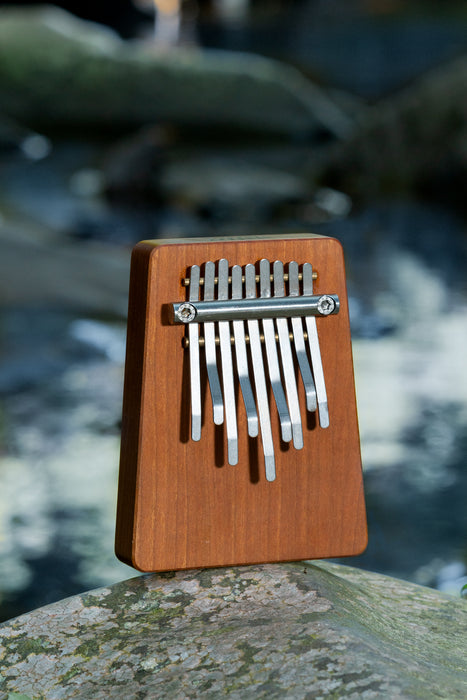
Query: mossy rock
[[311, 630], [413, 141]]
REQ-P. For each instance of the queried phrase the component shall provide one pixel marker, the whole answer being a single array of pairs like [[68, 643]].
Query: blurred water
[[60, 401], [61, 356]]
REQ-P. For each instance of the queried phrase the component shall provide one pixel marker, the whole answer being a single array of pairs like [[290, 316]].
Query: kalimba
[[240, 438]]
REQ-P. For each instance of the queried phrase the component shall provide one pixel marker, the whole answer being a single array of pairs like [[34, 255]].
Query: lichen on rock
[[289, 630]]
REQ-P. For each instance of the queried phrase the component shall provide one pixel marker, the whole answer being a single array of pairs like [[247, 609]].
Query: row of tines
[[282, 338]]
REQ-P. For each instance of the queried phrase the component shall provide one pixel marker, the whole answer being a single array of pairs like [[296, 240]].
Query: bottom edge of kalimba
[[149, 565]]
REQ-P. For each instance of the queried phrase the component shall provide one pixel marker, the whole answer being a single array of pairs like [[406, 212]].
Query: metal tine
[[260, 379], [271, 354], [195, 375], [287, 360], [315, 353], [299, 342], [242, 361], [210, 348], [227, 367]]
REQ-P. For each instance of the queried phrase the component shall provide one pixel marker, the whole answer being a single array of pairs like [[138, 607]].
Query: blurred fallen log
[[59, 72]]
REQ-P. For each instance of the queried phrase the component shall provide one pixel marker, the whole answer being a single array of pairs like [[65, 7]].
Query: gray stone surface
[[310, 630], [58, 71]]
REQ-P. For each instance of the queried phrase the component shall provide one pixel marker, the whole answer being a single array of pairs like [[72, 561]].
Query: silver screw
[[186, 312], [326, 305]]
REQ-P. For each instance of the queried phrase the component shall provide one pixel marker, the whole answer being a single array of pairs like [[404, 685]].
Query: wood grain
[[180, 504]]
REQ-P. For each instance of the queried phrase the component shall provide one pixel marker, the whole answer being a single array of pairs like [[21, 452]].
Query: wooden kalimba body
[[240, 438]]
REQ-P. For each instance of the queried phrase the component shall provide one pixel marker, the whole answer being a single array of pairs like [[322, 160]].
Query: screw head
[[326, 305], [186, 312]]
